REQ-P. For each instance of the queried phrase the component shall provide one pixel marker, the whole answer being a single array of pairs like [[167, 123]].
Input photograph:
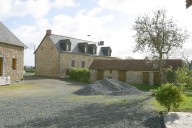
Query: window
[[110, 71], [72, 63], [82, 64], [14, 64]]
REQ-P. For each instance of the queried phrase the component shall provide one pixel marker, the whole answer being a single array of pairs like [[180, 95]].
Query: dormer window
[[92, 49], [83, 47], [106, 51], [65, 45]]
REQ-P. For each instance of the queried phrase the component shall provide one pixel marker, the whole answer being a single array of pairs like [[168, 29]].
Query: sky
[[110, 21]]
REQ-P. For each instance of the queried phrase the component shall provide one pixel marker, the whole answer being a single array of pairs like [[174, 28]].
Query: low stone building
[[130, 71], [57, 54], [11, 55]]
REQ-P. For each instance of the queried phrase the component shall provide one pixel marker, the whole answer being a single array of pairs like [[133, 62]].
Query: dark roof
[[132, 65], [188, 3], [75, 43], [6, 36]]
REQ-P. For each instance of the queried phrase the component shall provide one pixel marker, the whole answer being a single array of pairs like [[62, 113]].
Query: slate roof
[[75, 43], [6, 36], [132, 65]]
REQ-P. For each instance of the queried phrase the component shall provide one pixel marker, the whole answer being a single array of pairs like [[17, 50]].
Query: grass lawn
[[146, 87]]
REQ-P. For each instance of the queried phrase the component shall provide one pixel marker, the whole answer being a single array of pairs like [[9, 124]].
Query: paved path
[[178, 120]]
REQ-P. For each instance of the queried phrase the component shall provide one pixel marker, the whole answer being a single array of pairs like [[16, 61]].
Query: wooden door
[[156, 78], [146, 78], [100, 74], [122, 75], [1, 66]]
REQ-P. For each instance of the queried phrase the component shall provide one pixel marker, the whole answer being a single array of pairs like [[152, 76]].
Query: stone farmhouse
[[57, 54], [130, 71], [11, 56]]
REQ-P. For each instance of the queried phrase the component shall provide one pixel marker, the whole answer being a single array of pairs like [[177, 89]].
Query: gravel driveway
[[54, 105]]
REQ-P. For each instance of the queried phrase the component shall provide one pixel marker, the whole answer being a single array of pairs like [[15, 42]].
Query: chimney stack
[[101, 43], [48, 32]]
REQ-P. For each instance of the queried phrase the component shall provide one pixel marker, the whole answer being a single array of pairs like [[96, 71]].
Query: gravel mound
[[108, 87]]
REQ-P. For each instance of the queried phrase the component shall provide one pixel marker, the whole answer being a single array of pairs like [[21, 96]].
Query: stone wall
[[8, 53], [66, 58], [93, 75], [47, 59], [134, 77], [113, 74]]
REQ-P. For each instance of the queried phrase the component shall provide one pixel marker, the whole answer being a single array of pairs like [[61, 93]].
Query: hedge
[[79, 74]]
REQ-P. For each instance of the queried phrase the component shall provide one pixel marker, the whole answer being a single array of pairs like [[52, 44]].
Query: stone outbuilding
[[130, 71], [57, 54], [11, 56]]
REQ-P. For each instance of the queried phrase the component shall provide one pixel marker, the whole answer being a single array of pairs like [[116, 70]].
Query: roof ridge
[[74, 38], [10, 33]]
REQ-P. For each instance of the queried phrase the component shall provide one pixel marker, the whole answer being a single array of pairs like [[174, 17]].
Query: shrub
[[169, 96], [169, 74], [79, 74], [184, 78]]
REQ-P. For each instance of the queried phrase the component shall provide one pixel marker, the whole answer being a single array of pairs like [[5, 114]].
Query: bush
[[79, 74], [184, 78], [169, 96]]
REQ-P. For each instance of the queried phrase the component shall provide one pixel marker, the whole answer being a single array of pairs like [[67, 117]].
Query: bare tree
[[186, 54], [158, 35]]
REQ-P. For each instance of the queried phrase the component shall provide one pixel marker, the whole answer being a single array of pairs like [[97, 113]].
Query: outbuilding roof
[[133, 65], [6, 36]]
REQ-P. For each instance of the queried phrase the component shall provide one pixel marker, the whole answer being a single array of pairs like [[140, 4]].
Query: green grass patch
[[186, 105], [146, 87], [17, 86]]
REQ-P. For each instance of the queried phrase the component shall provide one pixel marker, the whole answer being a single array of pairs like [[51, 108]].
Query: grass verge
[[146, 87]]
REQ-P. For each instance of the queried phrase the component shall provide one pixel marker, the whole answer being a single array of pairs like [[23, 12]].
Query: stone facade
[[132, 77], [67, 58], [47, 59], [8, 53], [113, 74]]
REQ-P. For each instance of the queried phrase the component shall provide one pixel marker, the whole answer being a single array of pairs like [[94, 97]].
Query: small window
[[72, 63], [14, 64], [42, 48], [82, 64], [110, 71]]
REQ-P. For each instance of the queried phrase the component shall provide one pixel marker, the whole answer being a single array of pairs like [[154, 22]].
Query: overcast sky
[[107, 20]]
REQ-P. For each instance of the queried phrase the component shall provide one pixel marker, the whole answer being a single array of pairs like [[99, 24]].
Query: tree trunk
[[162, 77]]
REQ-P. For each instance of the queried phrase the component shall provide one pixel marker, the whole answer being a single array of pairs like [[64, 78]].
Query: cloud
[[82, 24], [64, 3], [32, 8]]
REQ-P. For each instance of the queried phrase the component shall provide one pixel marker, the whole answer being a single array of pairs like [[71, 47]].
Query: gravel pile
[[108, 87]]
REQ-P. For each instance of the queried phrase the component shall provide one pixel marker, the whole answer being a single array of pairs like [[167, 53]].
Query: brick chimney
[[48, 32]]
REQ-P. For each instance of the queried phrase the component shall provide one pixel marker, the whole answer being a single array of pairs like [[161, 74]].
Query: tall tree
[[158, 35]]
